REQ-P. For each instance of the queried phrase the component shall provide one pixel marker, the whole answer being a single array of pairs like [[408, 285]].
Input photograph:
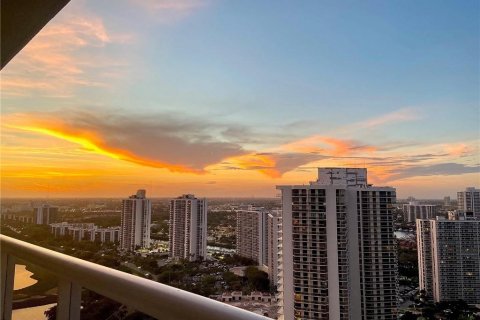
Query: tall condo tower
[[251, 234], [449, 257], [45, 214], [338, 254], [135, 222], [188, 228], [274, 228], [257, 238]]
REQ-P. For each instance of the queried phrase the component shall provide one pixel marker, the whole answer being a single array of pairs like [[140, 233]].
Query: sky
[[231, 98]]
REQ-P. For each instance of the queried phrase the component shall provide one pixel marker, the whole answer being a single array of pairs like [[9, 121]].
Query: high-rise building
[[416, 210], [251, 234], [188, 228], [338, 255], [45, 214], [449, 257], [135, 222], [257, 238], [424, 252], [469, 201]]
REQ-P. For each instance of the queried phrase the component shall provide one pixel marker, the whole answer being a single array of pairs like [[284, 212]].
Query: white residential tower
[[188, 228], [338, 255], [449, 257], [251, 234], [135, 222]]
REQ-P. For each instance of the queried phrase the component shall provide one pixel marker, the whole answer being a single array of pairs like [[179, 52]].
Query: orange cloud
[[258, 162], [325, 146], [58, 59], [165, 143], [459, 149], [92, 143], [276, 161], [158, 142]]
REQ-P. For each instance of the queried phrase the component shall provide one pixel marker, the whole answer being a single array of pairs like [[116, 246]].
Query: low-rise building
[[233, 296], [15, 217], [86, 231], [416, 210]]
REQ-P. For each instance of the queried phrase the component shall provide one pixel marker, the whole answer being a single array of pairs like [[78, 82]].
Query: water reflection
[[23, 277]]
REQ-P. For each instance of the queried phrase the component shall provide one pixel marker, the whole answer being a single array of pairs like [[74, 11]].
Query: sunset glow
[[90, 145], [186, 102]]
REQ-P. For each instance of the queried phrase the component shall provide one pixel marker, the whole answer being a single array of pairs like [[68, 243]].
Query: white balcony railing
[[150, 297]]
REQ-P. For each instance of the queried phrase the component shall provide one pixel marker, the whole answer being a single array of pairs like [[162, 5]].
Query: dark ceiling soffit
[[21, 20]]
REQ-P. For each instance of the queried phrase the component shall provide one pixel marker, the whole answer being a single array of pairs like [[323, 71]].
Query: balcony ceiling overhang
[[21, 20]]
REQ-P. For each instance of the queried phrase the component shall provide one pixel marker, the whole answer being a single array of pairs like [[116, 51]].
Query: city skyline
[[193, 97], [334, 247]]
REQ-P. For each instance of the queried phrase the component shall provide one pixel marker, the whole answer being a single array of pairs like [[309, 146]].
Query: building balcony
[[150, 297]]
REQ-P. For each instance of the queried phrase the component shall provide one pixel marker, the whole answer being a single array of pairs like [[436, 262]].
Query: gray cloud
[[284, 162], [171, 139], [387, 161], [435, 169], [260, 137], [240, 134], [290, 161]]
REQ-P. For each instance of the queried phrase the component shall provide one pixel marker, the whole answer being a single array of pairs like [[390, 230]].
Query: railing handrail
[[147, 296]]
